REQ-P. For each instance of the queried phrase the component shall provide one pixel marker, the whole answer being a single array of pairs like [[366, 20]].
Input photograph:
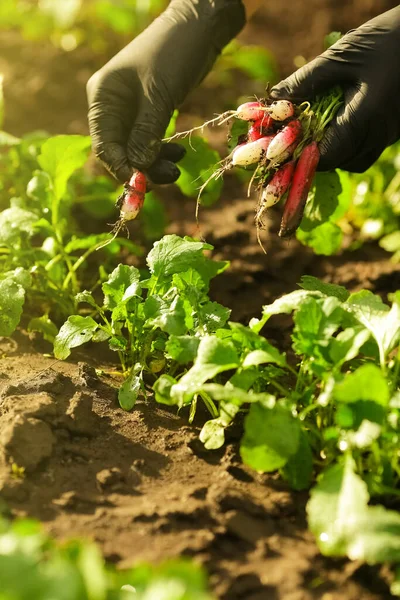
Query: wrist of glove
[[365, 63], [132, 98]]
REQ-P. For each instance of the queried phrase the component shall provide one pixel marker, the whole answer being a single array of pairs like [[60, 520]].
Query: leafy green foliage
[[38, 233], [170, 311], [32, 565]]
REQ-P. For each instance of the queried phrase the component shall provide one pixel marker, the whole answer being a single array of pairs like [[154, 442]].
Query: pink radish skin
[[278, 186], [301, 184], [264, 124], [250, 153], [138, 182], [288, 136], [250, 111], [281, 110], [254, 133], [131, 200]]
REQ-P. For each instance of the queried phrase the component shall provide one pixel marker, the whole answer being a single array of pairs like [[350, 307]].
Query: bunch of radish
[[281, 146]]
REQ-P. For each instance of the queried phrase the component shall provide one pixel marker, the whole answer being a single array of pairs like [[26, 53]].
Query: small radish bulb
[[286, 137], [278, 186], [281, 110], [254, 134], [250, 111], [250, 153], [132, 198], [265, 123]]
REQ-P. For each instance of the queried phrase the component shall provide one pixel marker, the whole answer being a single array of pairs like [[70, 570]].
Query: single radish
[[254, 133], [250, 153], [265, 123], [132, 198], [301, 184], [250, 111], [286, 137], [281, 110], [284, 156], [277, 186]]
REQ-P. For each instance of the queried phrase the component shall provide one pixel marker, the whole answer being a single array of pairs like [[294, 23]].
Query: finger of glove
[[378, 138], [173, 152], [144, 143], [109, 140], [162, 172], [316, 77]]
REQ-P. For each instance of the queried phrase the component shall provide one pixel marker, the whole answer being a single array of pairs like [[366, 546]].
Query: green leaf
[[76, 331], [130, 389], [212, 434], [45, 326], [271, 437], [383, 322], [213, 356], [214, 316], [6, 139], [284, 305], [260, 357], [298, 470], [238, 129], [377, 538], [168, 316], [87, 297], [12, 297], [347, 344], [366, 383], [307, 282], [14, 221], [61, 156], [183, 348], [123, 284], [196, 167], [162, 390], [335, 506], [322, 200], [38, 188], [173, 254], [315, 323], [324, 239], [236, 395]]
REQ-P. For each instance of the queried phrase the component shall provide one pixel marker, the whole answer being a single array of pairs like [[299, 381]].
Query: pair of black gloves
[[132, 98]]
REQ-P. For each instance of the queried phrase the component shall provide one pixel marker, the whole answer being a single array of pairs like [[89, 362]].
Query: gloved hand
[[366, 63], [132, 98]]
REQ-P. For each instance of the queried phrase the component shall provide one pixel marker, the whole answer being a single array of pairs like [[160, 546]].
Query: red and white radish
[[131, 200], [280, 110], [301, 184], [254, 133], [250, 153], [285, 138], [277, 186], [250, 111]]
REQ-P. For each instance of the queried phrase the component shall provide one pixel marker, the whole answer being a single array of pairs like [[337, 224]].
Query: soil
[[140, 484]]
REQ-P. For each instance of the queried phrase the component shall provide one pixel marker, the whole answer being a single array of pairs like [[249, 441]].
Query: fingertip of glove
[[172, 152], [279, 92], [163, 172]]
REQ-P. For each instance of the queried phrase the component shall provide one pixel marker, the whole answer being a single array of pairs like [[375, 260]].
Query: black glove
[[366, 63], [132, 98]]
